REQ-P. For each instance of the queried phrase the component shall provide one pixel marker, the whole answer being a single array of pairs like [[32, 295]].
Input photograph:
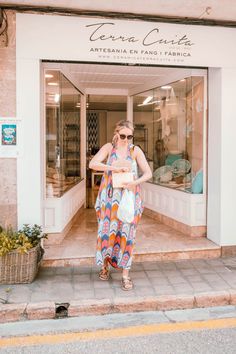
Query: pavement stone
[[194, 278], [176, 280], [157, 285], [184, 265], [162, 290], [137, 267], [169, 302], [134, 304], [120, 293], [83, 294], [12, 312], [104, 293], [77, 278], [200, 286], [102, 285], [138, 274], [183, 288], [189, 272], [217, 298], [142, 282], [142, 291], [159, 281], [83, 286], [86, 307], [154, 273], [150, 266], [41, 310]]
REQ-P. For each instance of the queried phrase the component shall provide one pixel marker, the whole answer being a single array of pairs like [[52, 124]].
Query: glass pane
[[172, 116], [194, 131], [62, 134], [143, 123]]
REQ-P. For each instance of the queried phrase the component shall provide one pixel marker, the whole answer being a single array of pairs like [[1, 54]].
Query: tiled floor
[[154, 241]]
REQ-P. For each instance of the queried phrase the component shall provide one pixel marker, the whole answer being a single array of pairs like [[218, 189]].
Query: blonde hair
[[120, 125]]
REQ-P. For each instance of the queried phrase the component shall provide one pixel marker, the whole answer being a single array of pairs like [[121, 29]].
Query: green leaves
[[34, 233], [22, 240]]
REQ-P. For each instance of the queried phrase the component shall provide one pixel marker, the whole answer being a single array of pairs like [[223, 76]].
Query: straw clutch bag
[[119, 178]]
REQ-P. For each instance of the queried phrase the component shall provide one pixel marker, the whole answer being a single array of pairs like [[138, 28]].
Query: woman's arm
[[143, 165], [97, 161]]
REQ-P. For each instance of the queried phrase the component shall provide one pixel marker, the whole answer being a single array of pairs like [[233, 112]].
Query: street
[[210, 330]]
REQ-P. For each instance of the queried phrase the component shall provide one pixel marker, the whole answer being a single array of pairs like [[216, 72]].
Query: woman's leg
[[127, 283], [125, 273], [104, 273]]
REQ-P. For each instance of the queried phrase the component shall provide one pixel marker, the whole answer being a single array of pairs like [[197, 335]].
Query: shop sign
[[108, 40], [123, 41]]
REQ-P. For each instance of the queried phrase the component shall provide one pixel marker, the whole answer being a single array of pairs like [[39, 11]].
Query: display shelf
[[141, 138], [71, 149]]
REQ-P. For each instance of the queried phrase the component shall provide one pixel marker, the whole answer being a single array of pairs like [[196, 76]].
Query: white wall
[[186, 208], [29, 191], [221, 157], [228, 158], [214, 156], [59, 211]]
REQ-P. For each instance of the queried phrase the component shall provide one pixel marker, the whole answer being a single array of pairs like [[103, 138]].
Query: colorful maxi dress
[[116, 239]]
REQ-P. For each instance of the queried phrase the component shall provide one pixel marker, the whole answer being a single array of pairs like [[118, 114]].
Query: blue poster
[[9, 134]]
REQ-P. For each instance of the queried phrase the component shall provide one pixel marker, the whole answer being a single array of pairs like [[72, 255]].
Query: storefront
[[187, 117]]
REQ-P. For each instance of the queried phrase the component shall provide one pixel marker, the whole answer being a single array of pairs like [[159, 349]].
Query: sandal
[[127, 284], [104, 273]]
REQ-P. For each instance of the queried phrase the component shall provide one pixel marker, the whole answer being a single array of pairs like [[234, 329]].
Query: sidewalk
[[77, 291]]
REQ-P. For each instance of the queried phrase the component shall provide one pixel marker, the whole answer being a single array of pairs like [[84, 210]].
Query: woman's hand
[[130, 186], [117, 169]]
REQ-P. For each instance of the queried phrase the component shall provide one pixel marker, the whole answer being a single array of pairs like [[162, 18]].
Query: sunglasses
[[123, 136]]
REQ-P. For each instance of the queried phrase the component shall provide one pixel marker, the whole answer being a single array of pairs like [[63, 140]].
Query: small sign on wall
[[9, 137], [8, 134]]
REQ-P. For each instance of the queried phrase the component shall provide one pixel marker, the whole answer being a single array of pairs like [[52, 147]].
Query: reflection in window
[[62, 134], [169, 129]]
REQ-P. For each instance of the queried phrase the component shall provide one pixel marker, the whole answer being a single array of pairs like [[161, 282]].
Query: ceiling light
[[53, 84], [48, 76], [183, 80], [148, 99], [147, 104], [167, 87], [57, 97]]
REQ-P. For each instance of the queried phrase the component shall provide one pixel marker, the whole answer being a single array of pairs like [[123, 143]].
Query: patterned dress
[[116, 239]]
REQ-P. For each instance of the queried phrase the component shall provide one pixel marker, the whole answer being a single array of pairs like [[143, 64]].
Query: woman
[[116, 239]]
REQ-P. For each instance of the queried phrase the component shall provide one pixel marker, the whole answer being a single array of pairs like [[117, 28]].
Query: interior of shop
[[168, 122], [166, 105]]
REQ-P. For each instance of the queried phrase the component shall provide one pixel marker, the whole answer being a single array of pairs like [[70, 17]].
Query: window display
[[173, 116], [62, 134]]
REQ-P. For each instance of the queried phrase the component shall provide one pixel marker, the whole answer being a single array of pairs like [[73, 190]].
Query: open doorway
[[168, 109], [103, 112]]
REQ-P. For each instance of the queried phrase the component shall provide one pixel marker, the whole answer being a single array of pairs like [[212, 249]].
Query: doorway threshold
[[154, 242]]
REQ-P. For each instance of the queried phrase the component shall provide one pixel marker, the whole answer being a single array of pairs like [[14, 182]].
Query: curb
[[48, 310]]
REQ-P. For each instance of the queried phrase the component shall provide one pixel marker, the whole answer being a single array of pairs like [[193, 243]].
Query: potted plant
[[20, 253]]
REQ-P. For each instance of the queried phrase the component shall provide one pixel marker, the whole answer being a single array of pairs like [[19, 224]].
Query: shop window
[[62, 134], [168, 124]]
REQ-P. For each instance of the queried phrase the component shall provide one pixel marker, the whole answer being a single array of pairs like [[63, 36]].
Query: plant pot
[[17, 268]]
